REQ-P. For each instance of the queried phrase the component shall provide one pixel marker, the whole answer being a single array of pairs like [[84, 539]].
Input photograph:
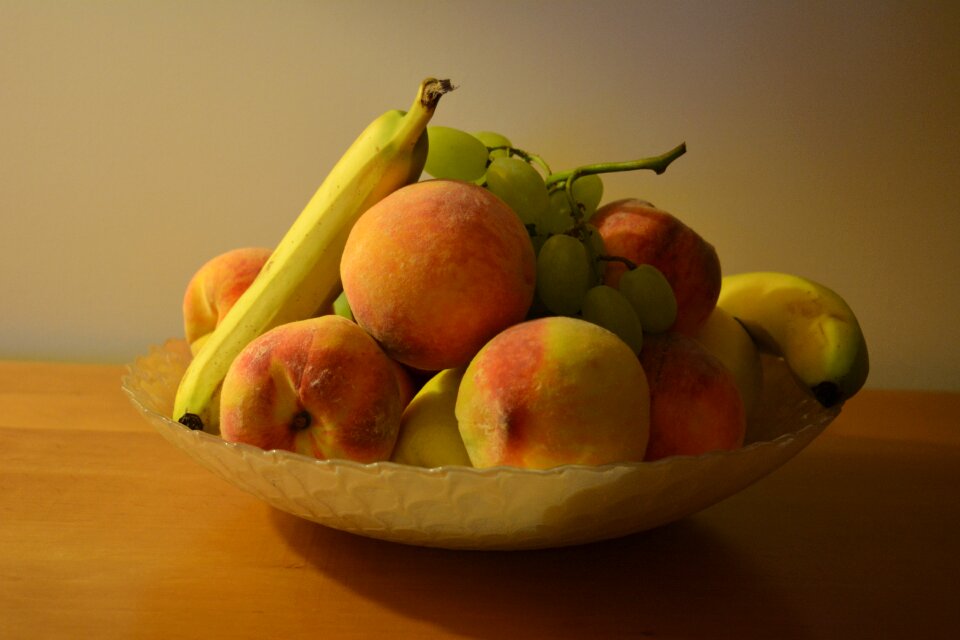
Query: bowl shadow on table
[[679, 580]]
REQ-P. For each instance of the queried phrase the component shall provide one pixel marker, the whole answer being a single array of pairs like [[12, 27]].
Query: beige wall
[[138, 139]]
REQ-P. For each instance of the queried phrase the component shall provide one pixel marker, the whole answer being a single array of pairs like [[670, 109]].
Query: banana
[[809, 325], [302, 274]]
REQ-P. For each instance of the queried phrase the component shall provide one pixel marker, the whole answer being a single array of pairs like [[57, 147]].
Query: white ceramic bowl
[[499, 508]]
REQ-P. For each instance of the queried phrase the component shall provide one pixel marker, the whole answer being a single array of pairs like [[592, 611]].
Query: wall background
[[139, 139]]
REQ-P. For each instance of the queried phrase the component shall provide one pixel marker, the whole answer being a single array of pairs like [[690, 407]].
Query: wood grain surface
[[107, 531]]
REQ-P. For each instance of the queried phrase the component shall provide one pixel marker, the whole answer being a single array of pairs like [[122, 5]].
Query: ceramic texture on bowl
[[498, 508]]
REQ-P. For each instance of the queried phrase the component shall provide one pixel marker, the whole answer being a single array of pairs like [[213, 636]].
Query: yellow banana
[[809, 325], [302, 275]]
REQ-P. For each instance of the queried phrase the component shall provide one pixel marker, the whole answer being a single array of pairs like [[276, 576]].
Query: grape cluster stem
[[657, 164]]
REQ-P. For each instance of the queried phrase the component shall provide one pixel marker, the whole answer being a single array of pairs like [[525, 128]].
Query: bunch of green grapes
[[643, 302], [556, 208], [518, 178]]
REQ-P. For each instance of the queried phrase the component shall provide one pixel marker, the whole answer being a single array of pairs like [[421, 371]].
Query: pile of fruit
[[494, 312]]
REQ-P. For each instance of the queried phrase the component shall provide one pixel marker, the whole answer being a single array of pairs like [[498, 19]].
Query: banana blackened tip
[[827, 394], [434, 89], [191, 421]]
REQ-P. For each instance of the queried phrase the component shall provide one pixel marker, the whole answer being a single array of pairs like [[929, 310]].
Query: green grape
[[520, 186], [605, 306], [595, 248], [557, 219], [588, 191], [563, 274], [494, 139], [341, 307], [455, 154], [651, 296]]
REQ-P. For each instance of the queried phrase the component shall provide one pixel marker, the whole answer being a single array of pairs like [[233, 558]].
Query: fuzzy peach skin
[[215, 287], [695, 405], [725, 338], [405, 383], [636, 230], [321, 387], [436, 269], [553, 391]]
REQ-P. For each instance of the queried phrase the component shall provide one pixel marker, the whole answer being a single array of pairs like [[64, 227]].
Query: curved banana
[[809, 325], [303, 273]]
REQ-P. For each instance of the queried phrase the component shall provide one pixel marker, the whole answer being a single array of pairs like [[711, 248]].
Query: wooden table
[[107, 531]]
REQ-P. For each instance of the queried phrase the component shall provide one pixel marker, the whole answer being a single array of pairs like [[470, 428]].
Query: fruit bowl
[[497, 508]]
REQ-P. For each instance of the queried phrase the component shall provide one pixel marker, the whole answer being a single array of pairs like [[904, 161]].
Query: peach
[[405, 383], [695, 405], [436, 269], [215, 287], [429, 435], [636, 230], [728, 341], [552, 391], [321, 387]]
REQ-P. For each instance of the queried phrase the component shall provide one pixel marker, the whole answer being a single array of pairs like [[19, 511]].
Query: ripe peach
[[436, 269], [215, 287], [695, 405], [404, 383], [552, 391], [729, 342], [643, 234], [321, 387]]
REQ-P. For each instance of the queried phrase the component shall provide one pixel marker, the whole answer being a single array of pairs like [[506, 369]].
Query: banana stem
[[657, 164], [428, 97], [432, 90]]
